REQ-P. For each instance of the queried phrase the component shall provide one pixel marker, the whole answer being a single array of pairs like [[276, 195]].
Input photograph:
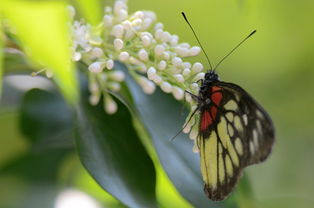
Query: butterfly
[[234, 132]]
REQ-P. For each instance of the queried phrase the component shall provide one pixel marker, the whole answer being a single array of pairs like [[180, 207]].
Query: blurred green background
[[275, 66]]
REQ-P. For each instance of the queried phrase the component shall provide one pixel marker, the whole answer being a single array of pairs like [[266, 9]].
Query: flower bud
[[151, 72], [108, 20], [94, 99], [183, 52], [139, 14], [96, 67], [110, 105], [165, 37], [117, 76], [162, 65], [97, 52], [194, 86], [118, 44], [122, 14], [109, 64], [177, 61], [159, 25], [194, 132], [186, 72], [49, 73], [159, 49], [114, 86], [158, 34], [119, 5], [147, 86], [184, 45], [143, 55], [166, 55], [187, 65], [166, 87], [194, 51], [76, 56], [179, 78], [117, 31], [157, 79], [199, 76], [178, 93], [197, 67], [124, 56], [146, 40]]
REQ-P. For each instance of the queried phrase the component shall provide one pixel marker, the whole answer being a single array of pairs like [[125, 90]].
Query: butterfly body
[[234, 132]]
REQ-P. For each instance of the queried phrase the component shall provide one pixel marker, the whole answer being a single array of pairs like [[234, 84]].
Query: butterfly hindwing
[[235, 132]]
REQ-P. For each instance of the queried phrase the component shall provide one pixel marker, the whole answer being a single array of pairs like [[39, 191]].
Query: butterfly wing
[[235, 131]]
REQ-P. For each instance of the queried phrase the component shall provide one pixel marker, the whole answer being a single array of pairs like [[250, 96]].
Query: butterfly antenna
[[247, 37], [187, 21]]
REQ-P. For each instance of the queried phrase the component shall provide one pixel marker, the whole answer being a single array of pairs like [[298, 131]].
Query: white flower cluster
[[153, 55]]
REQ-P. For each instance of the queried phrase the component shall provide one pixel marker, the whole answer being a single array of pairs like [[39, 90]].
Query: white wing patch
[[229, 116], [237, 123], [245, 119], [231, 105], [238, 146]]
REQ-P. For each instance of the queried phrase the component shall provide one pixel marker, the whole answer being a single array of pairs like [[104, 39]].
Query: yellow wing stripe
[[209, 160], [238, 146], [226, 141], [229, 166], [238, 124], [221, 166], [231, 105]]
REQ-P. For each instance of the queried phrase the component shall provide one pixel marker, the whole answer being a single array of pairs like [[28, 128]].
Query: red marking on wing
[[215, 88], [216, 95], [209, 116], [213, 111], [206, 120]]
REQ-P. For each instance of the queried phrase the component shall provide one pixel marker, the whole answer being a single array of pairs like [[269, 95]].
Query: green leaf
[[35, 166], [91, 10], [15, 61], [1, 57], [36, 174], [46, 120], [162, 116], [42, 28], [111, 151], [15, 87]]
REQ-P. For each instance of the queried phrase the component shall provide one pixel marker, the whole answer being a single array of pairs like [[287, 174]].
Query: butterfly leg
[[185, 125], [194, 97]]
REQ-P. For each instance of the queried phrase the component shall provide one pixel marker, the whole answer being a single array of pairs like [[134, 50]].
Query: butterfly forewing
[[235, 131]]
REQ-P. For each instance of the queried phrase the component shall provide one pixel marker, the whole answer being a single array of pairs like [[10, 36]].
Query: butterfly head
[[211, 76]]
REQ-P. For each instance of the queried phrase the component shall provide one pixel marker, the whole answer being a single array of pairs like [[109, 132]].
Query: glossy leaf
[[46, 120], [111, 151], [163, 117], [42, 28]]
